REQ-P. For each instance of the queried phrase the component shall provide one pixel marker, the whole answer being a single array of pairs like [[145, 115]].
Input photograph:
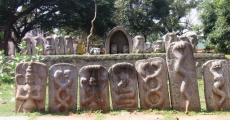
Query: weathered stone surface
[[120, 37], [49, 46], [152, 79], [148, 48], [113, 49], [38, 42], [216, 85], [158, 46], [30, 87], [138, 44], [29, 49], [63, 85], [94, 91], [169, 38], [11, 48], [183, 79], [183, 38], [123, 83], [69, 45], [60, 45], [193, 40]]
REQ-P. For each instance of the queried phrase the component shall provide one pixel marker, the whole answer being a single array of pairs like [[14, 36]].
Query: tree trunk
[[7, 36]]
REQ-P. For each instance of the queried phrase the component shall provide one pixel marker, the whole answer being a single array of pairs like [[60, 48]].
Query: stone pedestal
[[63, 86], [152, 79], [94, 91], [216, 85], [123, 83], [182, 75]]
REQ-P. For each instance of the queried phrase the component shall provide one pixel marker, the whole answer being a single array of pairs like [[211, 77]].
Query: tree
[[216, 24]]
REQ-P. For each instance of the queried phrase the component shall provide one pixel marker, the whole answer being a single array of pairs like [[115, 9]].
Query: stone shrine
[[30, 87], [123, 83], [49, 46], [94, 91], [138, 44], [152, 79], [182, 76], [120, 37], [216, 85], [60, 45], [63, 84]]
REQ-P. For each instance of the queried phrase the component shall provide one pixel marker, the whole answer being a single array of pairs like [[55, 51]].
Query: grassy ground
[[227, 56], [8, 105]]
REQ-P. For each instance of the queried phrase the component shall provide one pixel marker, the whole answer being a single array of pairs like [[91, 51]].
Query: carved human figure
[[170, 38], [152, 80], [181, 65], [193, 40], [60, 45], [126, 49], [123, 82], [38, 42], [30, 87], [63, 87], [29, 49], [148, 48], [113, 49], [216, 80], [69, 45], [138, 44], [158, 46], [49, 46], [94, 94]]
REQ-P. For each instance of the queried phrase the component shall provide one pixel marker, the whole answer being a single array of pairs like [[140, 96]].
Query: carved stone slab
[[62, 87], [169, 38], [158, 46], [152, 79], [30, 86], [138, 44], [49, 46], [69, 45], [148, 48], [94, 91], [123, 83], [216, 84], [183, 79], [29, 49], [38, 42], [60, 45]]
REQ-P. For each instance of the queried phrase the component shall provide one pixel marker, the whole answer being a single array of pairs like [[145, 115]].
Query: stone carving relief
[[60, 45], [29, 49], [38, 42], [126, 49], [216, 81], [49, 46], [30, 90], [169, 38], [69, 45], [94, 92], [148, 48], [113, 49], [193, 40], [152, 79], [182, 74], [138, 44], [123, 82], [158, 46], [63, 87]]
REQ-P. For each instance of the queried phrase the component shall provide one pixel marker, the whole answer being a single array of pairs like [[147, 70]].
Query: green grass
[[227, 56]]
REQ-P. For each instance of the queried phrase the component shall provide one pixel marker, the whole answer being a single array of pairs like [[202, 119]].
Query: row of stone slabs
[[149, 76]]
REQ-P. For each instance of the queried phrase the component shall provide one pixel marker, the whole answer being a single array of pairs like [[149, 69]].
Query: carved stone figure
[[183, 38], [152, 79], [169, 38], [158, 46], [30, 87], [60, 45], [49, 46], [123, 82], [63, 87], [193, 40], [94, 92], [126, 49], [183, 79], [216, 84], [113, 49], [38, 42], [69, 45], [29, 49], [138, 44], [148, 48], [119, 36]]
